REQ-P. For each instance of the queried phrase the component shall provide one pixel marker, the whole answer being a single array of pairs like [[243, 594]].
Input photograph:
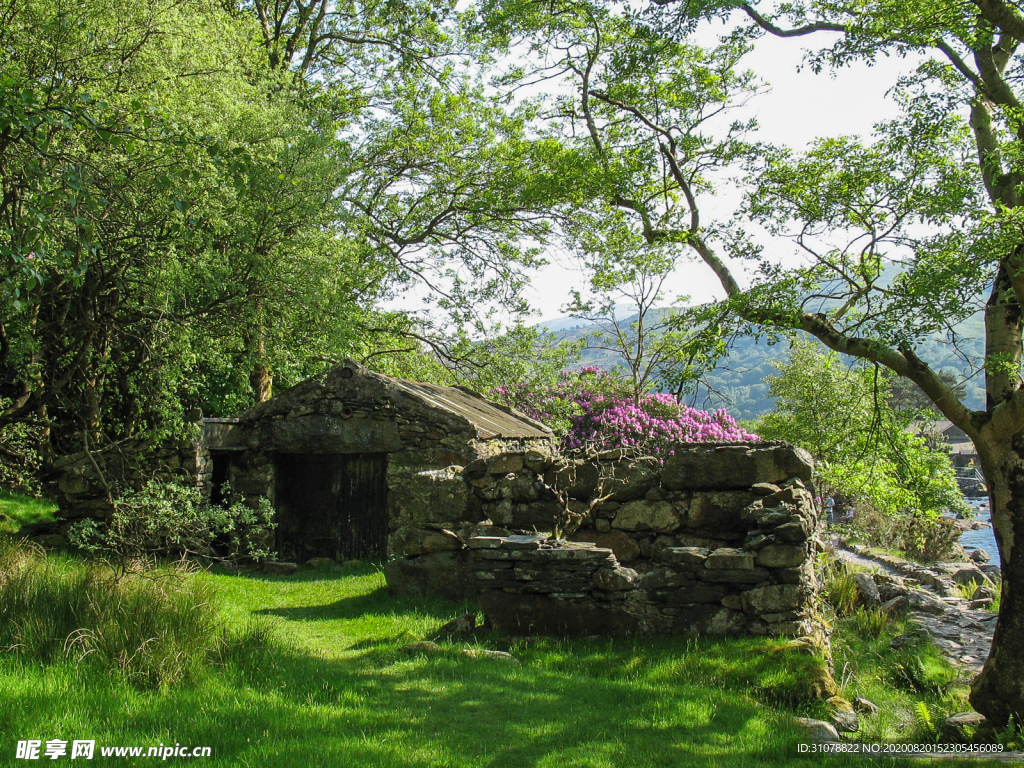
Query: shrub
[[590, 408], [919, 536], [869, 622], [168, 519], [841, 593]]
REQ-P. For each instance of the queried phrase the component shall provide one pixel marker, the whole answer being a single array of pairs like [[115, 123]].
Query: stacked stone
[[531, 564], [720, 541], [83, 484]]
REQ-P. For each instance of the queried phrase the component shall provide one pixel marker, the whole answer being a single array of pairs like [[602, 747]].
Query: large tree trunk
[[262, 381], [998, 692]]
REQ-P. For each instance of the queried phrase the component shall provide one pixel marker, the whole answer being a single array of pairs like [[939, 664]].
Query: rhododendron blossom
[[590, 408]]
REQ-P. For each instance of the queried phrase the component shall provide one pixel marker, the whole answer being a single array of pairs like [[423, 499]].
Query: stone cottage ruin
[[359, 465], [459, 495]]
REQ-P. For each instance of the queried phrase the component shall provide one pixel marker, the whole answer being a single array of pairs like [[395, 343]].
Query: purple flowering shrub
[[594, 409]]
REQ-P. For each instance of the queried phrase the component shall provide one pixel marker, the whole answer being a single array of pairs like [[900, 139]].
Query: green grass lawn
[[17, 510], [337, 687]]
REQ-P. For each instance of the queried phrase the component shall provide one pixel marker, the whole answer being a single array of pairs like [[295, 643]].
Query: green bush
[[172, 520], [920, 537], [869, 622], [839, 588]]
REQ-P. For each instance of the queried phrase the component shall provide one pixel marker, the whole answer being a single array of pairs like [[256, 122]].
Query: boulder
[[817, 731], [643, 515], [984, 592], [926, 602], [965, 576], [842, 715], [959, 728], [867, 590], [980, 556]]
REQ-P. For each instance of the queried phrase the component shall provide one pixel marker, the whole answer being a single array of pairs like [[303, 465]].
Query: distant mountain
[[739, 383]]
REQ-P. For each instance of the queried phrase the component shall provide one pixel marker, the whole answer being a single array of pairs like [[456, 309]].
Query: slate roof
[[350, 381], [490, 419]]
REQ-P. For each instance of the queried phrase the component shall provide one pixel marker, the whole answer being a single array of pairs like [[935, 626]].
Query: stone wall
[[83, 484], [718, 539]]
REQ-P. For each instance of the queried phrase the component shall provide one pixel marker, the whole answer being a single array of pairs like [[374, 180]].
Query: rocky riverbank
[[961, 627]]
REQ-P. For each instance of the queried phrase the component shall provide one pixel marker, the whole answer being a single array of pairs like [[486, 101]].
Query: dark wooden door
[[332, 505]]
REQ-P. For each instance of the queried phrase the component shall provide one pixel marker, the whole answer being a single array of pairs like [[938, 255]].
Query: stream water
[[983, 538]]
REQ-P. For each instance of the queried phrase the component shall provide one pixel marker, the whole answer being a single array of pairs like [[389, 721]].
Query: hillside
[[739, 384]]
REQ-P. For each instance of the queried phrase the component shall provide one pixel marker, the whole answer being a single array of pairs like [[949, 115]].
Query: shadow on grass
[[379, 602], [303, 575], [622, 703], [446, 710], [394, 710]]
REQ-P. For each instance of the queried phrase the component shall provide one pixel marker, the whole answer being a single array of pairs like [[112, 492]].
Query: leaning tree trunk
[[998, 692]]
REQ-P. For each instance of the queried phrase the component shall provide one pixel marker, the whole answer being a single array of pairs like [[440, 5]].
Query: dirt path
[[964, 634]]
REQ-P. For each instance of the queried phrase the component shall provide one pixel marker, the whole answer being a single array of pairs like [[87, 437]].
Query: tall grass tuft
[[841, 593], [153, 628], [869, 623]]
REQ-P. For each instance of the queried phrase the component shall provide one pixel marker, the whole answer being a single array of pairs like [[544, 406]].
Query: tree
[[905, 395], [198, 199], [627, 283], [97, 181], [865, 449], [893, 239]]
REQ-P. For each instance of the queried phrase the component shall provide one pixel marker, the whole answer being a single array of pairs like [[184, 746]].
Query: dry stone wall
[[84, 484], [719, 539]]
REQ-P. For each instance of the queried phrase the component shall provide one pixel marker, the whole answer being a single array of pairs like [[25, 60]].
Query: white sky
[[799, 107]]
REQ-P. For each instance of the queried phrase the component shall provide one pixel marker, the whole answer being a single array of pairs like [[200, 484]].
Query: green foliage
[[840, 591], [192, 206], [919, 536], [865, 449], [172, 520], [869, 622], [20, 459]]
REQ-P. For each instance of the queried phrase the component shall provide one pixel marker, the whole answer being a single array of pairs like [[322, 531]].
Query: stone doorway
[[331, 505]]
